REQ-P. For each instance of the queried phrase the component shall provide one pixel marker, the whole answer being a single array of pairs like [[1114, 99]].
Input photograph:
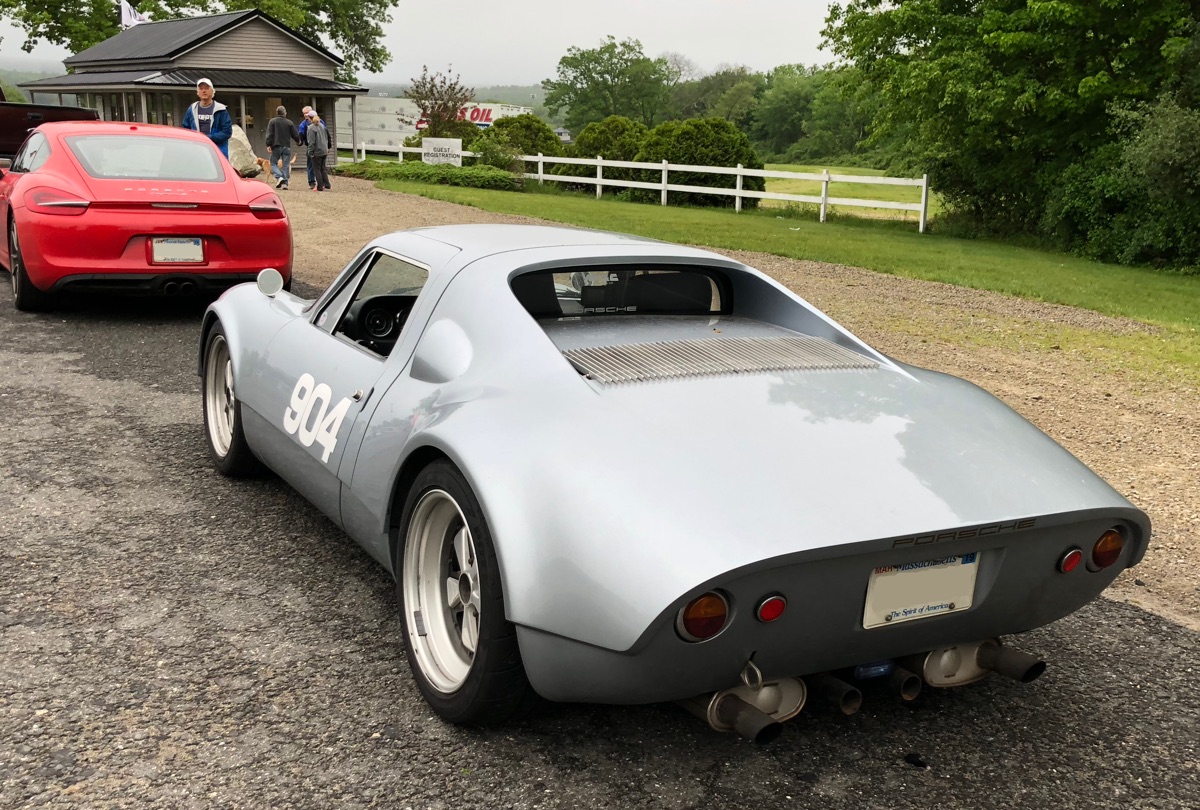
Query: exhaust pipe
[[906, 683], [757, 714], [836, 691], [171, 288], [186, 287], [750, 721], [1015, 664], [962, 664]]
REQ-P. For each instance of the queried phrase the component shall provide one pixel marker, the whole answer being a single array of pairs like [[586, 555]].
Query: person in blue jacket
[[210, 117]]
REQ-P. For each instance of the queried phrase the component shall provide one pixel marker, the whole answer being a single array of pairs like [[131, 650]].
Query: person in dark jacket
[[210, 117], [281, 134], [318, 150]]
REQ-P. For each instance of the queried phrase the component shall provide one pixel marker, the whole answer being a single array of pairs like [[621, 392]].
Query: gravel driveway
[[170, 638]]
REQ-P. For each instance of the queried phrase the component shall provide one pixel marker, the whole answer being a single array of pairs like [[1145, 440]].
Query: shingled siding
[[258, 45]]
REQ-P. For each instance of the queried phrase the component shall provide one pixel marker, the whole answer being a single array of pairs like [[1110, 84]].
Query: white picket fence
[[824, 200]]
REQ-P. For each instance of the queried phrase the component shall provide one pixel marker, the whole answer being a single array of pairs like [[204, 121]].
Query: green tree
[[441, 98], [355, 27], [698, 98], [996, 97], [614, 79], [12, 92]]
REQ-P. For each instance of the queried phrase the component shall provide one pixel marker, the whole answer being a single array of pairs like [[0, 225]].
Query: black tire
[[26, 297], [485, 686], [223, 432]]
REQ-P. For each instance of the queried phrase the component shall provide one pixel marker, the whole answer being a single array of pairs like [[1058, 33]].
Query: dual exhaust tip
[[179, 288], [757, 709]]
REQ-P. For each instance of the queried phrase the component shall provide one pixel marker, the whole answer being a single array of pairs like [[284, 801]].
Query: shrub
[[526, 133], [614, 138], [699, 142], [488, 177], [1137, 199]]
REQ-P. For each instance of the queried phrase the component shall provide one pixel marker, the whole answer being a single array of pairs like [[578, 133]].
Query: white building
[[384, 123]]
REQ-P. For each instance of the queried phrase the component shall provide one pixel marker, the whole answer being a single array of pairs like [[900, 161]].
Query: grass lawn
[[864, 191]]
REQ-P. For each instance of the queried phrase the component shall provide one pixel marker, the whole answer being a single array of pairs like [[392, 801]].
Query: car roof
[[61, 128], [480, 240]]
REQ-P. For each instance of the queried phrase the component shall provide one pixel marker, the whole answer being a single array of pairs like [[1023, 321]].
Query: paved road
[[169, 638]]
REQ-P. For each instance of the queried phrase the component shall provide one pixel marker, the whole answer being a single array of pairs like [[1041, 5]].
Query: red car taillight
[[53, 201], [268, 206]]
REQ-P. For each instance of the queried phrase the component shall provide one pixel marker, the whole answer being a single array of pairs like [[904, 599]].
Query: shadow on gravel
[[107, 308]]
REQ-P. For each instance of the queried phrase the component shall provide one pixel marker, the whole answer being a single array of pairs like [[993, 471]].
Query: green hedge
[[487, 177]]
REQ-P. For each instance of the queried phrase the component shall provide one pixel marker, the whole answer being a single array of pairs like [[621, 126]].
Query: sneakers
[[283, 187], [279, 183]]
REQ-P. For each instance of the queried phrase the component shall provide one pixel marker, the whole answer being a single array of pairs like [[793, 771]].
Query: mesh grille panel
[[641, 362]]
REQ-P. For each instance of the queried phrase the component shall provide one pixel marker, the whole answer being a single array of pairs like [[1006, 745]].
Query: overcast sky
[[490, 43]]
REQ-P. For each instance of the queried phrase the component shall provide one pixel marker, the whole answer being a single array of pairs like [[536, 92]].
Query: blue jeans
[[283, 156]]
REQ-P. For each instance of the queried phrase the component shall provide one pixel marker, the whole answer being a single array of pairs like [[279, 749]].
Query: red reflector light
[[771, 608], [1108, 548], [703, 617], [1070, 561]]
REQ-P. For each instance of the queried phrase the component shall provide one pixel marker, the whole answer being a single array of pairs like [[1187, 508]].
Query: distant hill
[[524, 95]]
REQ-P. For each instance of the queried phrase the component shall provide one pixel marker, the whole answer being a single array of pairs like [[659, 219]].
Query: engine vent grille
[[642, 362]]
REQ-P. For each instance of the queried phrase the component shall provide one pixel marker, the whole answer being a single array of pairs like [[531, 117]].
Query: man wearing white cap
[[210, 116]]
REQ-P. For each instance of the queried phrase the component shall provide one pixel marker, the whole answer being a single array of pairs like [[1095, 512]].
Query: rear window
[[588, 292], [144, 157]]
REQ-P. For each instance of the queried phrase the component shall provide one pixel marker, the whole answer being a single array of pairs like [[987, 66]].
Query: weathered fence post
[[599, 175], [737, 198], [541, 169], [824, 194], [924, 202], [664, 183]]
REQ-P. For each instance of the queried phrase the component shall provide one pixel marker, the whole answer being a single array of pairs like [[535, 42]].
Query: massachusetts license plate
[[919, 590], [172, 250]]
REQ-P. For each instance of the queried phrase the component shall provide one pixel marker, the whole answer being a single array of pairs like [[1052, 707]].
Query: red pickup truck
[[17, 119]]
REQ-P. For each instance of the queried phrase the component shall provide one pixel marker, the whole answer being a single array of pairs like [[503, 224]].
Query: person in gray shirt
[[318, 150]]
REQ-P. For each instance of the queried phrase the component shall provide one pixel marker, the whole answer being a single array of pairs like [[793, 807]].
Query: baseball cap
[[204, 81]]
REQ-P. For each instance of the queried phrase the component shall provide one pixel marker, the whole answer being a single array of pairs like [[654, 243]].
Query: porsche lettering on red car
[[133, 208]]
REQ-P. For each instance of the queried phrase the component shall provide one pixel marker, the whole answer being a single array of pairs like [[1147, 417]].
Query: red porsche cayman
[[133, 207]]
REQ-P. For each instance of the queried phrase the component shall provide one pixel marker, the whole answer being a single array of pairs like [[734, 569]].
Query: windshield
[[147, 157]]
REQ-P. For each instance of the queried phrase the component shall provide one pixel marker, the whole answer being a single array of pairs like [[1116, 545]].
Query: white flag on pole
[[130, 16]]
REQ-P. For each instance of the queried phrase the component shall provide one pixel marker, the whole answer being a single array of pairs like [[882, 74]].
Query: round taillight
[[771, 608], [1070, 560], [1108, 548], [703, 617]]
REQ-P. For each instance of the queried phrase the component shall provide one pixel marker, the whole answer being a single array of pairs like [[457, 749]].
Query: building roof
[[223, 81], [169, 39]]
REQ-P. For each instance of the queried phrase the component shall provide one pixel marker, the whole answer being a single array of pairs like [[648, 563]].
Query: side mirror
[[270, 282]]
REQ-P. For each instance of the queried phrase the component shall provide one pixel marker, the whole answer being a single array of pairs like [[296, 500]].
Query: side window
[[33, 153], [372, 308]]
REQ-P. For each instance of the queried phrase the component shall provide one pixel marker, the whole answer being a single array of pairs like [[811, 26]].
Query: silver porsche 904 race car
[[609, 469]]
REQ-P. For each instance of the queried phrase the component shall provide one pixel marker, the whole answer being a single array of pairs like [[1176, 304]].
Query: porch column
[[145, 112], [242, 103], [354, 130]]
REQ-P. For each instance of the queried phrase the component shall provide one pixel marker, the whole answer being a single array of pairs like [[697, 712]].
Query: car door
[[32, 154], [329, 367]]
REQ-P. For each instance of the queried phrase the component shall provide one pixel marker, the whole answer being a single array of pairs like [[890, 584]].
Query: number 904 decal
[[310, 417]]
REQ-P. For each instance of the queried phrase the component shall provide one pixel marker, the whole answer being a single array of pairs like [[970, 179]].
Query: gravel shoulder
[[1142, 436]]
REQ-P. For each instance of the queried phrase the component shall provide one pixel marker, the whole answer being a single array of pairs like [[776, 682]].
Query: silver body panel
[[612, 504]]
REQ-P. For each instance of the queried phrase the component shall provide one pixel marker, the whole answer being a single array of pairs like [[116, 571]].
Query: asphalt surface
[[170, 638]]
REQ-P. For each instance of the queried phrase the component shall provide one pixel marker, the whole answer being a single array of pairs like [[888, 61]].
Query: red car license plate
[[177, 250]]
